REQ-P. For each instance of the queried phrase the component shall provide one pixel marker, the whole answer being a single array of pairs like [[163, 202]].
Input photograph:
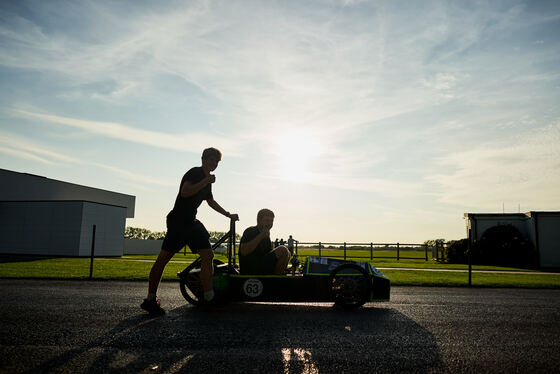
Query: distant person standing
[[291, 245], [184, 229]]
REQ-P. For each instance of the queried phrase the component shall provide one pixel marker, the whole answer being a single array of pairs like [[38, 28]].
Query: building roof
[[542, 213], [15, 186], [519, 215], [495, 214]]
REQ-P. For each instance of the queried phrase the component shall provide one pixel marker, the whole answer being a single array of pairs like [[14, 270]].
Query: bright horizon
[[357, 121]]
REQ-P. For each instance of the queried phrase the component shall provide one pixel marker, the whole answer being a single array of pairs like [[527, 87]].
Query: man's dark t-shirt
[[250, 263], [185, 208]]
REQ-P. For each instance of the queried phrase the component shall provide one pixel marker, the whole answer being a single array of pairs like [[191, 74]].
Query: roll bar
[[230, 237]]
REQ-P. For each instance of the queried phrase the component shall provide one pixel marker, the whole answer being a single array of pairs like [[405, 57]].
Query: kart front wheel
[[190, 284], [350, 286]]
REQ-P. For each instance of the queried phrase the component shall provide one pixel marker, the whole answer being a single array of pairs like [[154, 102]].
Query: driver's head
[[265, 218]]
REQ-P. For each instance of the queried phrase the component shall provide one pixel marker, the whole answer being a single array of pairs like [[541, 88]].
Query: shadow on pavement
[[262, 338]]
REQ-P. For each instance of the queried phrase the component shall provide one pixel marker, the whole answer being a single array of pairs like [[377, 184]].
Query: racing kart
[[349, 284]]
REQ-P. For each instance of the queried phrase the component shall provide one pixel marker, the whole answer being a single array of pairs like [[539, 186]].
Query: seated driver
[[256, 254]]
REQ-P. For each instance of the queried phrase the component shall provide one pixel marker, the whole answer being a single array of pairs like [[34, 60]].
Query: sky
[[356, 121]]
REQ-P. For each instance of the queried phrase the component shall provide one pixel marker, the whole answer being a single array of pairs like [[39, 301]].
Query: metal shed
[[42, 216], [542, 228]]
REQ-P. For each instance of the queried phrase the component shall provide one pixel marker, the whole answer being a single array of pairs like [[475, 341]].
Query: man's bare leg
[[157, 270], [283, 256], [151, 303], [206, 269]]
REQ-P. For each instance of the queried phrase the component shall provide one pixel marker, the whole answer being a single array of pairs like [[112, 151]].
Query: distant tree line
[[145, 234], [434, 243]]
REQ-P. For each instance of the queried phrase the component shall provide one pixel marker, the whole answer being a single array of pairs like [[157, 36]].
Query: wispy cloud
[[183, 142], [25, 148], [399, 101], [134, 177], [382, 187], [16, 146], [522, 169], [24, 155], [275, 69], [330, 72]]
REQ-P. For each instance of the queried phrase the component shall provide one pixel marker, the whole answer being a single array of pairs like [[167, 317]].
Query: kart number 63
[[253, 287]]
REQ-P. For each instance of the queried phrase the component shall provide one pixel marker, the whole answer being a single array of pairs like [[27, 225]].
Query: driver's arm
[[248, 247]]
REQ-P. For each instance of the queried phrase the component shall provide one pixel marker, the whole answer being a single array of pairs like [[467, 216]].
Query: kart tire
[[190, 285], [350, 291]]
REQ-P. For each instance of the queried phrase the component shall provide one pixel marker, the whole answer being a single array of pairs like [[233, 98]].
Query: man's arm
[[214, 205], [190, 189], [251, 245]]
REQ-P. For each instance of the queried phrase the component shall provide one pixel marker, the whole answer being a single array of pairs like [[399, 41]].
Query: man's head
[[265, 219], [210, 159], [212, 152]]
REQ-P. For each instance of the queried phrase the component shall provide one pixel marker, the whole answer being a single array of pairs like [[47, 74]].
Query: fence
[[402, 251], [343, 250], [405, 251]]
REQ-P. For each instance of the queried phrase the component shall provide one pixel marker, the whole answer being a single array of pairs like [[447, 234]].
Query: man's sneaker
[[153, 307]]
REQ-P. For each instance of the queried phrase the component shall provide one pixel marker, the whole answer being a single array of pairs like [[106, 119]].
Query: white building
[[42, 216], [542, 228]]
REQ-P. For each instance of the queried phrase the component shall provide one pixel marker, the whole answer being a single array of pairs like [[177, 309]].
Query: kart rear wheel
[[189, 282], [350, 286]]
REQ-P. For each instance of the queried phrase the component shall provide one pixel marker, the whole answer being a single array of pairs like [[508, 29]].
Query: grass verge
[[78, 268], [460, 279], [138, 267], [385, 262]]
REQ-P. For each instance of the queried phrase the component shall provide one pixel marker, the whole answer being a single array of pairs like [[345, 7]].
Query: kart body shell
[[346, 283], [313, 284]]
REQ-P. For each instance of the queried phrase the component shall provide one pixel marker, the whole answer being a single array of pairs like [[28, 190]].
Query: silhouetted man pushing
[[184, 229]]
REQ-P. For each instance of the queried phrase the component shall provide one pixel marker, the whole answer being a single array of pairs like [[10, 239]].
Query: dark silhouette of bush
[[504, 245], [456, 252]]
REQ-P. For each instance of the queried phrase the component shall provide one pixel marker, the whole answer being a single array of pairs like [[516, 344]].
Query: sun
[[295, 153]]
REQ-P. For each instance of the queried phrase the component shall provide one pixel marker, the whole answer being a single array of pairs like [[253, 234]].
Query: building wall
[[519, 221], [549, 240], [40, 228], [110, 222], [60, 228], [546, 224]]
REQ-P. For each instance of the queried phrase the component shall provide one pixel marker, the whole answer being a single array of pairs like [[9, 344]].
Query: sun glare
[[295, 152]]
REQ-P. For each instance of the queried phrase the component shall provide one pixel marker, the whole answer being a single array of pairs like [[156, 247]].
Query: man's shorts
[[194, 235], [266, 265]]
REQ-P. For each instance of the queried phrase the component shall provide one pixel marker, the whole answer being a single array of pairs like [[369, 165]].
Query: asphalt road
[[80, 326]]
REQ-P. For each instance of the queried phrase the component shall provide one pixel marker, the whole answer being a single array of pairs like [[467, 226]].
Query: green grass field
[[137, 268], [455, 279]]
